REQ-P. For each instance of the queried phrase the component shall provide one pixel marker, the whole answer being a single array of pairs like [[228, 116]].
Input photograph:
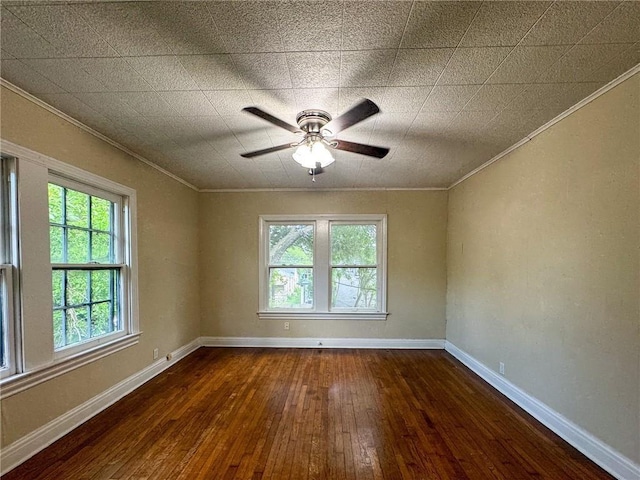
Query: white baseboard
[[23, 449], [599, 452], [291, 342], [32, 443]]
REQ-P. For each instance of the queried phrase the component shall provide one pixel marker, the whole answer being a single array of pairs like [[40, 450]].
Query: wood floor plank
[[311, 414]]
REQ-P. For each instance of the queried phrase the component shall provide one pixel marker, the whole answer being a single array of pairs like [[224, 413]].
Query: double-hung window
[[88, 260], [68, 275], [323, 267], [7, 270]]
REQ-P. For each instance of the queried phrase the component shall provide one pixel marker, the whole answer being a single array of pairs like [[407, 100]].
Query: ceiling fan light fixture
[[309, 156]]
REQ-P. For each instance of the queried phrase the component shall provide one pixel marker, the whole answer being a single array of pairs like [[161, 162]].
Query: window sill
[[323, 315], [23, 381]]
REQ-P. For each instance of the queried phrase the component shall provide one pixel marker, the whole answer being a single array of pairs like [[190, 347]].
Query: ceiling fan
[[318, 130]]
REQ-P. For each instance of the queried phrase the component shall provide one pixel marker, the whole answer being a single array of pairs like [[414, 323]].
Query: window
[[290, 266], [68, 275], [324, 267], [7, 258], [354, 266], [87, 259]]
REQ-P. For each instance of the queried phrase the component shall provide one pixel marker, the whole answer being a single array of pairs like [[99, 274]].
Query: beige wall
[[167, 262], [543, 267], [541, 259], [416, 262]]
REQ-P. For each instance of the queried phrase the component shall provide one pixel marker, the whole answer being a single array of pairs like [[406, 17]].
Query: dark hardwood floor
[[317, 414]]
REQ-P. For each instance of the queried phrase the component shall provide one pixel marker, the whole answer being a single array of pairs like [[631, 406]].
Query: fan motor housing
[[311, 121]]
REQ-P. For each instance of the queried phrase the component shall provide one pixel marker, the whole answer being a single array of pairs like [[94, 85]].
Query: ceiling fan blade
[[264, 151], [360, 111], [271, 119], [370, 150]]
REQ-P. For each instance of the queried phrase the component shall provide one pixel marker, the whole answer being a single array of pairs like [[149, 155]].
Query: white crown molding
[[26, 447], [362, 189], [601, 91], [593, 448], [322, 342], [500, 155], [82, 126], [121, 147]]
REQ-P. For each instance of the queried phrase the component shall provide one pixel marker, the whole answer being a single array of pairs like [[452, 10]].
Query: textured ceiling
[[457, 82]]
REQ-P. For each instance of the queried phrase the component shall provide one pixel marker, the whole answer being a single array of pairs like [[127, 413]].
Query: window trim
[[10, 285], [8, 314], [322, 268], [28, 375], [121, 241]]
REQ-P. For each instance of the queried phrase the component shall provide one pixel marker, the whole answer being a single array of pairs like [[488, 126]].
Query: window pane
[[291, 245], [57, 284], [56, 244], [100, 248], [77, 209], [70, 242], [77, 287], [55, 204], [101, 319], [77, 325], [94, 292], [58, 329], [77, 246], [100, 283], [86, 302], [353, 245], [354, 288], [291, 288], [3, 333], [100, 214]]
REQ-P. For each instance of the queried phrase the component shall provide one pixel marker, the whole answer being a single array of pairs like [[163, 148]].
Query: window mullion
[[112, 303], [321, 266], [89, 305], [88, 273], [65, 298], [65, 230]]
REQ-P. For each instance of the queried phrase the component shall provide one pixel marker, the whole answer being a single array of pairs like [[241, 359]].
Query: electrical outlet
[[501, 368], [155, 353], [286, 325]]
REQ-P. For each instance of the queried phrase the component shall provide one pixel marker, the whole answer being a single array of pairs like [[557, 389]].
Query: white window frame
[[121, 240], [6, 285], [8, 266], [322, 309], [36, 359]]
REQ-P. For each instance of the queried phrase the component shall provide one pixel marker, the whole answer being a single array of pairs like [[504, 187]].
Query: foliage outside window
[[290, 266], [322, 265], [354, 266], [71, 265], [86, 263]]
